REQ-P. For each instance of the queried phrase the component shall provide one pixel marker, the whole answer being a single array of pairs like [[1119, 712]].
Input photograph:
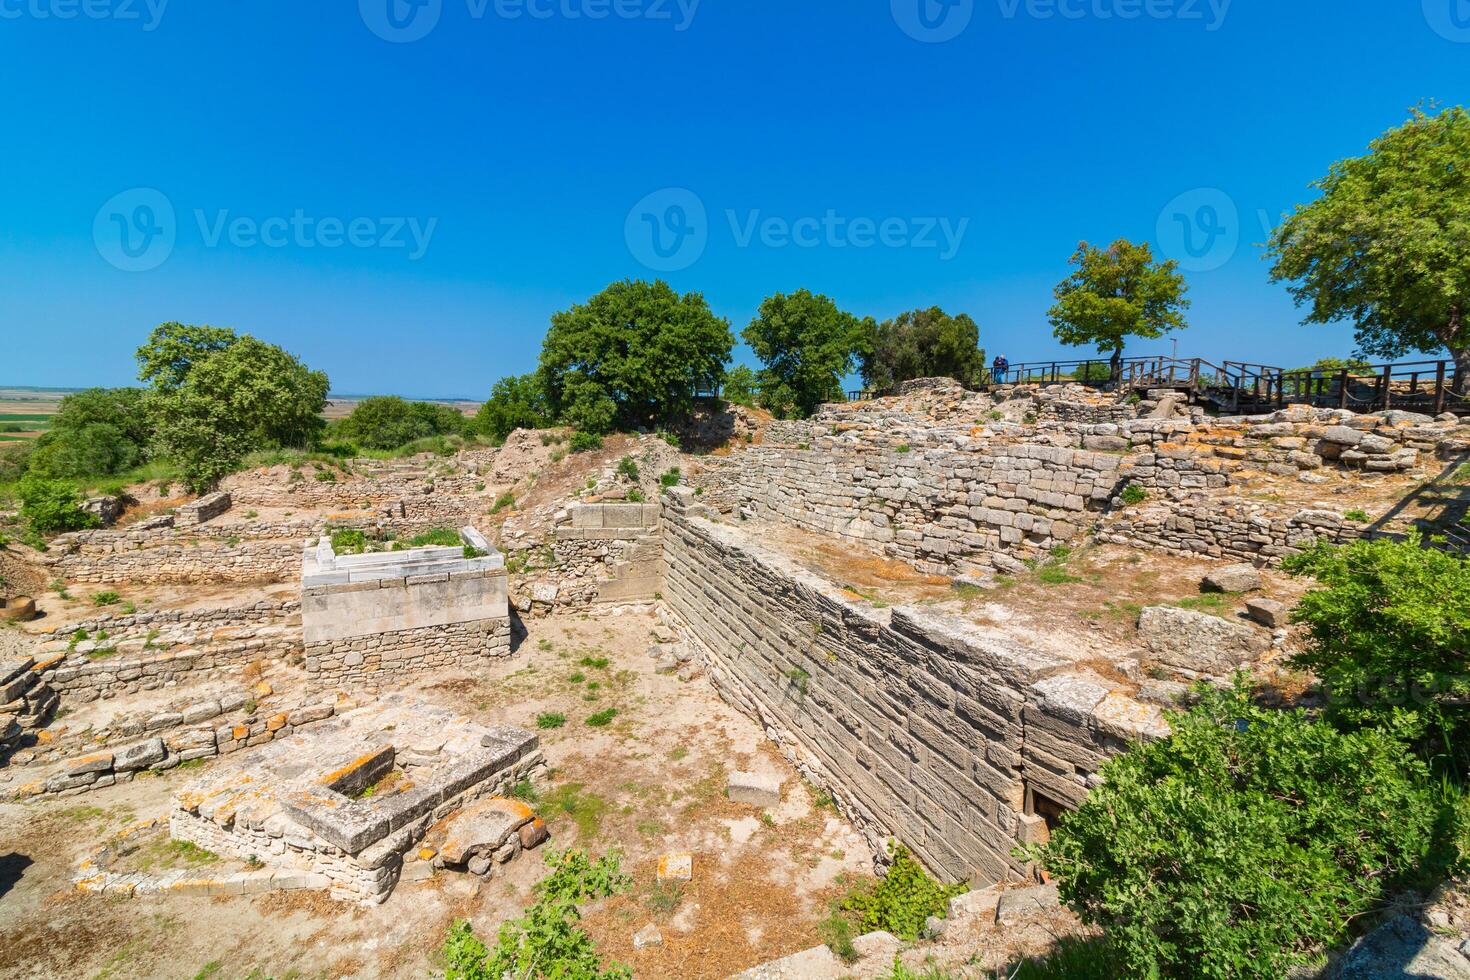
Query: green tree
[[633, 355], [516, 402], [173, 349], [924, 344], [387, 422], [1387, 244], [1117, 293], [97, 432], [740, 385], [1243, 843], [1387, 635], [808, 346], [52, 506], [243, 396]]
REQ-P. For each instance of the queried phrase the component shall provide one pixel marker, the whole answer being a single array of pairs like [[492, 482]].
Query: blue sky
[[407, 214]]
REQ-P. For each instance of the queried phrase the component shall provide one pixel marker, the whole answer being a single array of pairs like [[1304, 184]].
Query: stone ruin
[[384, 614], [351, 799]]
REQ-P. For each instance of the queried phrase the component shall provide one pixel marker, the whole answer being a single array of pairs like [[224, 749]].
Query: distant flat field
[[32, 409]]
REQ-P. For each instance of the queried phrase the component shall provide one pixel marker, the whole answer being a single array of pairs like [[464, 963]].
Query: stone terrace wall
[[945, 511], [106, 557], [1227, 528], [924, 728], [467, 647], [173, 622]]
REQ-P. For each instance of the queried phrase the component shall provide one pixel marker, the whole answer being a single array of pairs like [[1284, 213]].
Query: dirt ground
[[651, 782]]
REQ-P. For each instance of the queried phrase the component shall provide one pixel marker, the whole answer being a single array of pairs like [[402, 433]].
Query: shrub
[[551, 719], [670, 478], [1243, 843], [52, 506], [1134, 494], [439, 537], [584, 442], [636, 497], [349, 541], [628, 468], [603, 718], [904, 899], [506, 501], [105, 598], [1357, 516], [546, 941], [1386, 635]]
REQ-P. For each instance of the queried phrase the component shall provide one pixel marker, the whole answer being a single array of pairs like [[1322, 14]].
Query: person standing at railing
[[1000, 369]]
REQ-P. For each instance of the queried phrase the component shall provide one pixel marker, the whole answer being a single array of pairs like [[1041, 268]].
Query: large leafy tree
[[1116, 293], [516, 402], [633, 355], [924, 344], [97, 432], [216, 399], [808, 346], [1387, 244], [387, 422]]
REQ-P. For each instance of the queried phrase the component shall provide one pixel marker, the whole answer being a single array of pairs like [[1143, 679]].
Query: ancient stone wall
[[469, 647], [943, 734], [104, 557], [1227, 528], [95, 670], [944, 511]]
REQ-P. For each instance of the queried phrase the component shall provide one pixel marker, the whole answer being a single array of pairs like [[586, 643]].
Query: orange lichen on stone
[[275, 723], [515, 808], [351, 767], [44, 662]]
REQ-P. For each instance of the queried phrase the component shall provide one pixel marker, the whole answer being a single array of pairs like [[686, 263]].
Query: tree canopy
[[218, 396], [808, 346], [924, 344], [516, 402], [633, 355], [97, 432], [1117, 293], [1387, 244], [387, 422]]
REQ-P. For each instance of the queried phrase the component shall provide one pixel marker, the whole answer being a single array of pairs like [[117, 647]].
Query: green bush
[[545, 943], [628, 467], [602, 719], [387, 422], [517, 402], [670, 478], [551, 719], [349, 541], [904, 899], [1244, 843], [584, 442], [439, 537], [1134, 494], [1386, 635], [52, 506], [505, 501]]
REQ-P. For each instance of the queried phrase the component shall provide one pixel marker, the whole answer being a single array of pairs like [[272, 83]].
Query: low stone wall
[[467, 647], [944, 511], [198, 620], [603, 553], [91, 671], [1227, 528], [118, 557], [206, 508], [948, 736]]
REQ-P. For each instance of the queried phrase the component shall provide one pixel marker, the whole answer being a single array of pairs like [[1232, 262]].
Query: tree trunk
[[1117, 364], [1451, 337], [1462, 369]]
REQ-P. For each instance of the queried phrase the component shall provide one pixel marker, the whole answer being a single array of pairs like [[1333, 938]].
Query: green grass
[[21, 417], [439, 537], [551, 719], [1056, 575], [584, 809], [602, 719], [1214, 603], [1356, 516], [595, 662]]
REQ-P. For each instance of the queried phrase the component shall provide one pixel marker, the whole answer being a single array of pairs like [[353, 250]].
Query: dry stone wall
[[973, 508], [115, 557], [932, 730], [377, 657]]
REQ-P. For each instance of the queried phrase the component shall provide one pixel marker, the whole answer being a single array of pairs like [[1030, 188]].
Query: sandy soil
[[651, 782]]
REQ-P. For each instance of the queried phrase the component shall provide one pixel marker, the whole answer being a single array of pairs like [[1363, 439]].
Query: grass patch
[[598, 663], [1134, 494], [551, 719], [1213, 603], [602, 719], [584, 809], [1357, 516]]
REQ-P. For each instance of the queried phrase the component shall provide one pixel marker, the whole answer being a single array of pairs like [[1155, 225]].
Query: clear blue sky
[[521, 145]]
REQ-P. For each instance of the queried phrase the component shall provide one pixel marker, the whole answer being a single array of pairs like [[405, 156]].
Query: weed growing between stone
[[546, 941], [903, 900]]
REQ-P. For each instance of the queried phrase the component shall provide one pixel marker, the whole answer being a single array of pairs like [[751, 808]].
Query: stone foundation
[[469, 647], [954, 738]]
